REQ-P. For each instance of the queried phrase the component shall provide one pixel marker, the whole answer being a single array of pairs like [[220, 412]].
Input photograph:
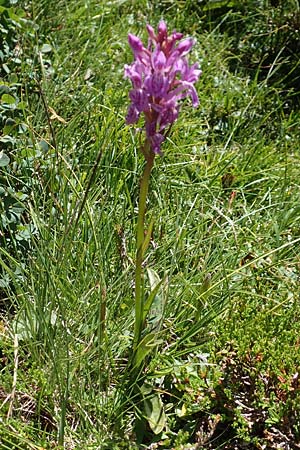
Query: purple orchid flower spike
[[161, 77]]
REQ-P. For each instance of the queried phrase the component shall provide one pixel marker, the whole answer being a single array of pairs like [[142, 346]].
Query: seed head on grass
[[160, 76]]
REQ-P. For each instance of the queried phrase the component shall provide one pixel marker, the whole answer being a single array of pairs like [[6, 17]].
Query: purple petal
[[162, 31], [135, 77], [176, 36], [155, 141], [139, 51], [182, 91], [185, 46], [192, 73], [171, 41], [140, 99], [150, 128], [194, 96], [156, 85], [132, 115], [151, 33], [158, 60], [168, 116], [135, 43]]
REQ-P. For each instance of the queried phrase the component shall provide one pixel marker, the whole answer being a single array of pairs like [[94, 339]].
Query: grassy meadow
[[223, 370]]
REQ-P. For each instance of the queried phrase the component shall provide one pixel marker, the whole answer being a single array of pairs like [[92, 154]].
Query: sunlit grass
[[225, 198]]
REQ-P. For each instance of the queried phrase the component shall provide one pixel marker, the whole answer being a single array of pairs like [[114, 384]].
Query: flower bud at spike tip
[[135, 43], [185, 46], [162, 31], [161, 77]]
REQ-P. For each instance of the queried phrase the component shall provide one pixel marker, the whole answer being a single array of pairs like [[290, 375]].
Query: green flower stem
[[139, 298]]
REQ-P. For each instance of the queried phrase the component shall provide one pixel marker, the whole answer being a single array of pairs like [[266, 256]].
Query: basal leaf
[[4, 159], [155, 413]]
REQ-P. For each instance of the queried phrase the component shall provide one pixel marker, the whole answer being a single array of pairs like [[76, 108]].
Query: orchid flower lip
[[161, 77]]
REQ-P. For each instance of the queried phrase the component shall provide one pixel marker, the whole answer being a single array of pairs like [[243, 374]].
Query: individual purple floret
[[160, 77]]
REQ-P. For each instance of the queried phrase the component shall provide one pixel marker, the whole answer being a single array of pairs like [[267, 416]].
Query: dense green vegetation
[[225, 198]]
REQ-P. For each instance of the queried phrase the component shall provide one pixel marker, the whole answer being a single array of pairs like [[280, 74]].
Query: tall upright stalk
[[140, 236]]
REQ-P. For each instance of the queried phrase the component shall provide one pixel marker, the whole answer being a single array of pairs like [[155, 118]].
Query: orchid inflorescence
[[160, 76]]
